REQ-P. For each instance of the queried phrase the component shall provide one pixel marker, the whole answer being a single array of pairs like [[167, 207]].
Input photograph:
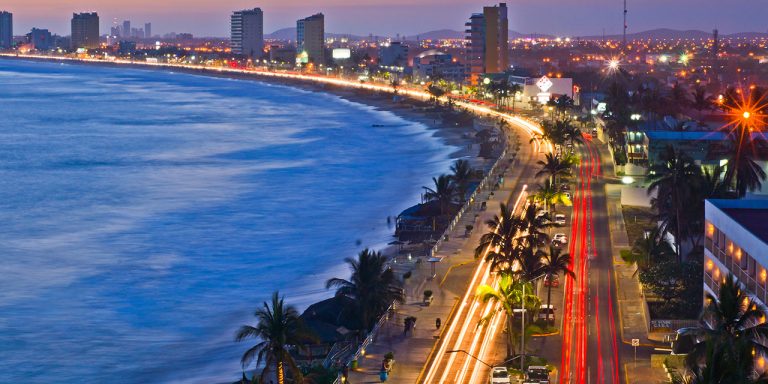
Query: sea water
[[144, 215]]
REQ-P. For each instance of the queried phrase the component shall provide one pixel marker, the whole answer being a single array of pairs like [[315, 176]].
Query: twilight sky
[[388, 17]]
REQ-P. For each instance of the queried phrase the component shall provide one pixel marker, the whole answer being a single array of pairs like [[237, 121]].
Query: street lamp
[[470, 355]]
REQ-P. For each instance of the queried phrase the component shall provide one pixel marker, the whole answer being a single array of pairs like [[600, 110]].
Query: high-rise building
[[247, 32], [41, 39], [394, 54], [147, 30], [310, 39], [488, 41], [126, 29], [6, 30], [85, 30]]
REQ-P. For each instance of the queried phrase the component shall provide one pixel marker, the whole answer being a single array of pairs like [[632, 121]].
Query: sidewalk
[[629, 296], [450, 283]]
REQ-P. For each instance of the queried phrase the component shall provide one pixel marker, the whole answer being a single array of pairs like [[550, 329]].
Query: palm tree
[[500, 240], [550, 195], [510, 297], [742, 168], [701, 100], [372, 286], [532, 226], [278, 327], [436, 92], [444, 192], [462, 174], [553, 264], [731, 334], [673, 179], [513, 90], [649, 249], [552, 167]]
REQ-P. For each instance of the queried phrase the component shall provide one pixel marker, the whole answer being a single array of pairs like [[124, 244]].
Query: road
[[591, 349], [464, 334]]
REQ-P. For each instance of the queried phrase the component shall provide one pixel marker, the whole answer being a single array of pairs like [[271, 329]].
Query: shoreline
[[411, 110]]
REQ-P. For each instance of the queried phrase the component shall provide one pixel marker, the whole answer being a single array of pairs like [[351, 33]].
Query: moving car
[[559, 239], [499, 375], [547, 312], [559, 219], [537, 374]]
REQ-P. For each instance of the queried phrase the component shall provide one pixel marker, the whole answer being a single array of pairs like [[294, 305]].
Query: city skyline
[[591, 18]]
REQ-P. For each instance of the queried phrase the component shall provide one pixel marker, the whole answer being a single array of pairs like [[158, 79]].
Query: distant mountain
[[442, 34], [290, 34], [666, 33]]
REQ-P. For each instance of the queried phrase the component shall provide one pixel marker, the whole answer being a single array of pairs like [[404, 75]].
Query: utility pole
[[522, 332]]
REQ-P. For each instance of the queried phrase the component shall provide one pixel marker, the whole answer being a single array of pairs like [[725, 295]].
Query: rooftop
[[752, 214]]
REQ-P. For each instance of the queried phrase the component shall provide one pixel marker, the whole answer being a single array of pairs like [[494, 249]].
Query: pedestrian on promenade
[[437, 323]]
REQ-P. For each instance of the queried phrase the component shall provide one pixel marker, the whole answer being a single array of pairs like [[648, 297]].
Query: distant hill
[[290, 34], [666, 33], [441, 34]]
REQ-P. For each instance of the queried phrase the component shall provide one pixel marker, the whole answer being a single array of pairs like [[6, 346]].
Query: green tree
[[553, 167], [500, 240], [673, 179], [509, 295], [649, 249], [436, 92], [548, 194], [372, 286], [731, 334], [462, 175], [553, 264], [444, 191], [278, 326], [701, 100], [743, 171]]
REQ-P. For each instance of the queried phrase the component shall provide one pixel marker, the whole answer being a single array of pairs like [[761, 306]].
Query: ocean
[[144, 215]]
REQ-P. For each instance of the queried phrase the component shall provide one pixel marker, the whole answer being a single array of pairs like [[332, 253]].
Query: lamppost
[[470, 355]]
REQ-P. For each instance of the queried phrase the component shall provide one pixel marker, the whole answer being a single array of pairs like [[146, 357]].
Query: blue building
[[41, 39]]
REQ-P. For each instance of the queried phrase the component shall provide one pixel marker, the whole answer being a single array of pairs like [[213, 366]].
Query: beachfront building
[[434, 65], [393, 54], [126, 31], [247, 33], [310, 40], [736, 243], [85, 30], [147, 30], [6, 30], [41, 39], [487, 42]]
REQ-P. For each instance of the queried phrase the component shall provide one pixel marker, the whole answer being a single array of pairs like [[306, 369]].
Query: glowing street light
[[613, 64], [746, 115]]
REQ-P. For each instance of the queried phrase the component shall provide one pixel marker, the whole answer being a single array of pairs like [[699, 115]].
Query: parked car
[[683, 344], [559, 219], [559, 239], [554, 282], [537, 374], [546, 312], [543, 214], [499, 375]]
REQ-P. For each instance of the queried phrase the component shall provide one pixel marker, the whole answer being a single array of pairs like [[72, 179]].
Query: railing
[[336, 353], [369, 338], [489, 177]]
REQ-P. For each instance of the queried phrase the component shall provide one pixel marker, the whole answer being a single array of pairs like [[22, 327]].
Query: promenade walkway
[[449, 284]]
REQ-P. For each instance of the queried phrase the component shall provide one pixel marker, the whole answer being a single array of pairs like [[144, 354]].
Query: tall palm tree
[[552, 167], [509, 295], [513, 90], [743, 171], [553, 264], [550, 195], [731, 334], [672, 180], [532, 226], [278, 327], [443, 192], [462, 174], [500, 240], [372, 286]]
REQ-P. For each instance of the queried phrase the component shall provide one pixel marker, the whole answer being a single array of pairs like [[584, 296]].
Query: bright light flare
[[745, 112]]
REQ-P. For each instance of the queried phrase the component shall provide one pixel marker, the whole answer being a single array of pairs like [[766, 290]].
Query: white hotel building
[[737, 242]]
